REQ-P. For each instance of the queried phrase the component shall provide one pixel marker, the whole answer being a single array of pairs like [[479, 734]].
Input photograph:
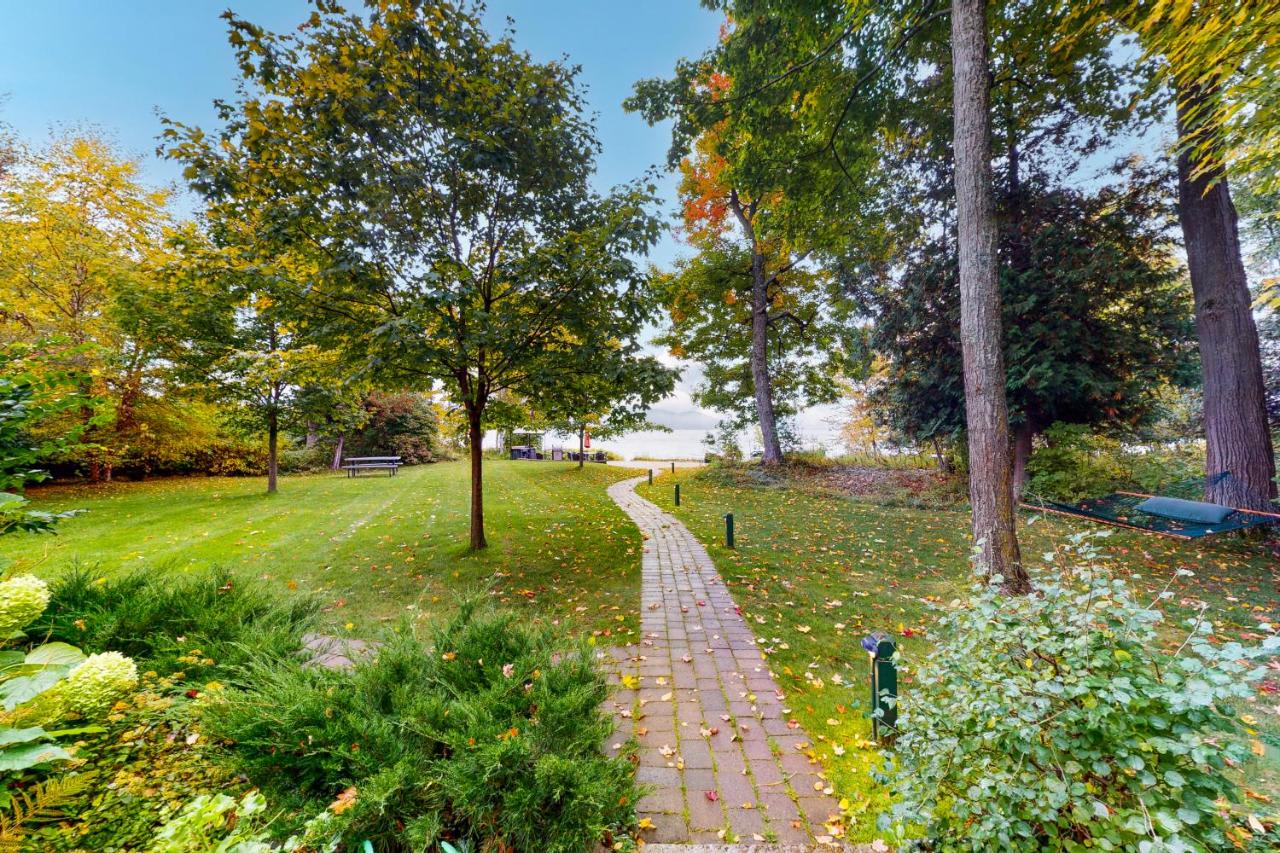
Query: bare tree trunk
[[475, 435], [1240, 462], [273, 442], [582, 450], [944, 465], [313, 435], [986, 411], [760, 378], [337, 451]]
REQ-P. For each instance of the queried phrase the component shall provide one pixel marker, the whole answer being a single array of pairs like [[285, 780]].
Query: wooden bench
[[353, 465]]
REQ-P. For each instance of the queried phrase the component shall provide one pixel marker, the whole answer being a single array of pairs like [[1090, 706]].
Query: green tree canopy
[[1096, 322], [440, 178], [708, 299], [609, 397], [80, 240]]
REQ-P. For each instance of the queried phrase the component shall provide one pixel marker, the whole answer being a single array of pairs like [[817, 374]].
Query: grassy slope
[[814, 572], [372, 546]]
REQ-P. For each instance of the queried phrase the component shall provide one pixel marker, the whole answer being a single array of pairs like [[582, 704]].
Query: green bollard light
[[650, 476], [673, 467], [677, 494], [884, 684], [728, 530]]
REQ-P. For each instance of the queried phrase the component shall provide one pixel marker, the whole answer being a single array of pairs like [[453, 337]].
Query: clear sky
[[117, 64]]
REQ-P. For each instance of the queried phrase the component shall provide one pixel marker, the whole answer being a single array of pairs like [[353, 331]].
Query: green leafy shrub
[[207, 623], [1156, 470], [175, 434], [216, 823], [301, 460], [1075, 463], [1055, 721], [488, 733], [403, 425], [40, 685], [230, 457]]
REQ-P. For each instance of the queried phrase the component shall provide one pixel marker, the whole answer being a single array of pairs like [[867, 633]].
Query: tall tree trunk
[[760, 378], [475, 435], [273, 446], [1240, 462], [986, 411], [337, 451], [313, 435], [85, 387], [582, 448], [760, 361], [1023, 440]]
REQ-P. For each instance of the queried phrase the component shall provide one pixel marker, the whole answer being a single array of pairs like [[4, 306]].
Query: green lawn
[[373, 547], [815, 572]]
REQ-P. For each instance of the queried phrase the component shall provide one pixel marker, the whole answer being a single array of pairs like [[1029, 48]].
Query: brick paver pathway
[[716, 745]]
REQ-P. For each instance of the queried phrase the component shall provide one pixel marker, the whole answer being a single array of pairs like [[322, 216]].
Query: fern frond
[[40, 802]]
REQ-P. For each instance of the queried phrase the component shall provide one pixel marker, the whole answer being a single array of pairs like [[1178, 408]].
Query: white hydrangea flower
[[97, 683], [22, 600]]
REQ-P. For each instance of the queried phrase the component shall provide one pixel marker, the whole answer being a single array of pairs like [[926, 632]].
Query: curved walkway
[[716, 745]]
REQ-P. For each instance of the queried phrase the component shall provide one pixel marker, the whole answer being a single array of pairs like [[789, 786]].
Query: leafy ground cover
[[816, 570], [370, 548]]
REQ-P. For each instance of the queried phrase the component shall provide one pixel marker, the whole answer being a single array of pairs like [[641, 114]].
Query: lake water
[[655, 444]]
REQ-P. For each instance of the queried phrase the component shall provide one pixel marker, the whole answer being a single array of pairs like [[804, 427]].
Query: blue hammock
[[1129, 510]]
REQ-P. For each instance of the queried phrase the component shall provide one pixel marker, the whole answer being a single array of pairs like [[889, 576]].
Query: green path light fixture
[[650, 476], [677, 494], [884, 684], [728, 530]]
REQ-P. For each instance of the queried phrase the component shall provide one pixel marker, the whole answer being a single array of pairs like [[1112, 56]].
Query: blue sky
[[113, 65]]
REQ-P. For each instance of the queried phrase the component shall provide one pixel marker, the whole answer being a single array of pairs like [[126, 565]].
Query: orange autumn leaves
[[704, 193]]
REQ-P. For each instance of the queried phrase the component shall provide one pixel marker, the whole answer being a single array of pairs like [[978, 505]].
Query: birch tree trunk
[[337, 451], [986, 410]]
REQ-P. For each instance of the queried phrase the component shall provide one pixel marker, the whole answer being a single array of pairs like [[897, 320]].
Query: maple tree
[[238, 347], [440, 180], [749, 308]]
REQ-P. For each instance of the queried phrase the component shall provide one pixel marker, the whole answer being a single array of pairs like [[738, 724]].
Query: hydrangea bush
[[97, 683], [22, 599], [1072, 718], [47, 683]]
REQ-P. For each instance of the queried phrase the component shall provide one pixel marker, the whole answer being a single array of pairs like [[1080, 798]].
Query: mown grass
[[374, 547], [814, 572]]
